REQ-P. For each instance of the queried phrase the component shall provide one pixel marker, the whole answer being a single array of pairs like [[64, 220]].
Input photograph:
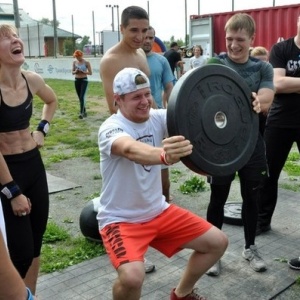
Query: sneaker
[[256, 262], [215, 269], [192, 296], [262, 229], [294, 263], [149, 266], [80, 116]]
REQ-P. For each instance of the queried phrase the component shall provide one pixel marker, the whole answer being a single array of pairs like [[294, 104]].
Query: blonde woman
[[23, 182]]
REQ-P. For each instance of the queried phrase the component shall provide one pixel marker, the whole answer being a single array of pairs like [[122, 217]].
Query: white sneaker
[[149, 266], [215, 269], [256, 262]]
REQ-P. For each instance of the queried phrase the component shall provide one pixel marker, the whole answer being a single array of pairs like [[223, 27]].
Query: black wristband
[[43, 127], [10, 190]]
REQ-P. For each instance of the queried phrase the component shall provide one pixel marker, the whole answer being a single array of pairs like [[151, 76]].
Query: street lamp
[[112, 16], [118, 21]]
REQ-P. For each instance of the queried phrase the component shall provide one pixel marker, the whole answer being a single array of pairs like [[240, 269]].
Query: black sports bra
[[13, 118]]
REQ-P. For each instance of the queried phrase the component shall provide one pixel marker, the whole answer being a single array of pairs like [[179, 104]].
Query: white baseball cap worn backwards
[[130, 80]]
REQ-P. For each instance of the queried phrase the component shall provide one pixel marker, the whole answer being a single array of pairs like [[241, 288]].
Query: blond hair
[[7, 30], [259, 51]]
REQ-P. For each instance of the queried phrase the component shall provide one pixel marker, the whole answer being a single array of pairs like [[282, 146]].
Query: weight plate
[[233, 213], [211, 106]]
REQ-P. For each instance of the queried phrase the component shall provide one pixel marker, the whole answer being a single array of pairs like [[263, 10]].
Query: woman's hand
[[39, 138], [21, 205]]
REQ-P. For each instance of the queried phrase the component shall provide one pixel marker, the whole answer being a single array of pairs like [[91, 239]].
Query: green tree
[[47, 21], [180, 42], [84, 41], [68, 47]]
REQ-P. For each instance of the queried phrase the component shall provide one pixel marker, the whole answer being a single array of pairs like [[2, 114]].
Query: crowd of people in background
[[136, 152], [240, 35]]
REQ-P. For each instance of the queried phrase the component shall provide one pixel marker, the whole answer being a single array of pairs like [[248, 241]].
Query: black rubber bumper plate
[[212, 107]]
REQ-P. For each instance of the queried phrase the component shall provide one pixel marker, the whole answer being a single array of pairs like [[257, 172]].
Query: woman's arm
[[12, 286], [89, 68]]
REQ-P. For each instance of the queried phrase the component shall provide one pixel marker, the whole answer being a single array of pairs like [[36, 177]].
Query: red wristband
[[163, 158]]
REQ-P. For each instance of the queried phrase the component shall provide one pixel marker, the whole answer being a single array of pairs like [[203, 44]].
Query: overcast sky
[[166, 16]]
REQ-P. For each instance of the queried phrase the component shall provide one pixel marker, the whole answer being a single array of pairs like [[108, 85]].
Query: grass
[[69, 138], [60, 250], [193, 185], [292, 169], [175, 175]]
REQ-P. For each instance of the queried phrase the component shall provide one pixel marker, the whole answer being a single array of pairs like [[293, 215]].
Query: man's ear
[[117, 99], [253, 39]]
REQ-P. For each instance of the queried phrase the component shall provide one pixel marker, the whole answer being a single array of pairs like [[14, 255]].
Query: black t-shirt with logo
[[285, 109]]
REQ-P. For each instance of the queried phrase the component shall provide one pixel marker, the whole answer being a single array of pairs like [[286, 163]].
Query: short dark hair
[[173, 44], [151, 28], [133, 12]]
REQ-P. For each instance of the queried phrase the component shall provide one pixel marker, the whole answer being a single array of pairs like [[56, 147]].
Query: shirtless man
[[127, 53]]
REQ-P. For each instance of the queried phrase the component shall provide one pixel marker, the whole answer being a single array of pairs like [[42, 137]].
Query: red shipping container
[[272, 25]]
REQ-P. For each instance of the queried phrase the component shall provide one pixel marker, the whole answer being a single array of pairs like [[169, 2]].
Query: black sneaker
[[294, 263], [80, 116], [262, 229]]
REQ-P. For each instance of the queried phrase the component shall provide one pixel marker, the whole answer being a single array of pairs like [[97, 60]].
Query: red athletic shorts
[[127, 242]]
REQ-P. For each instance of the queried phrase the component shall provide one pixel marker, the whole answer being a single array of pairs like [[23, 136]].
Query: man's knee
[[218, 241], [131, 275], [223, 241]]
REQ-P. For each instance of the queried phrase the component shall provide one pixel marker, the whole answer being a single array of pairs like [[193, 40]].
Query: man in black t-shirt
[[173, 57], [283, 121]]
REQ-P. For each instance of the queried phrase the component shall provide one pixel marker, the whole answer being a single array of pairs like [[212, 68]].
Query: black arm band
[[43, 126], [10, 190]]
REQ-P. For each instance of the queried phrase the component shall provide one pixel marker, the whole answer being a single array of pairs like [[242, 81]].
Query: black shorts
[[25, 234]]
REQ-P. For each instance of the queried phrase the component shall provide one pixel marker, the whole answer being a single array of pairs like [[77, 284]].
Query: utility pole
[[55, 28], [16, 14], [185, 13], [118, 21]]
